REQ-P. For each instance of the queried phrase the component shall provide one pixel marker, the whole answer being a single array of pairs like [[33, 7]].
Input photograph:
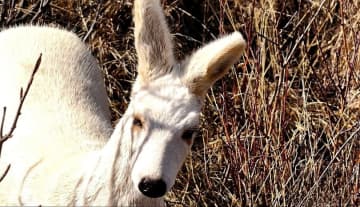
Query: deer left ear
[[211, 62]]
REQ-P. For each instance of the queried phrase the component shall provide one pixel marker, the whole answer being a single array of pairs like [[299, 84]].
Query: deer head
[[167, 97]]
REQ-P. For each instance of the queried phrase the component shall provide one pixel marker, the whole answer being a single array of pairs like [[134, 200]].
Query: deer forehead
[[167, 103]]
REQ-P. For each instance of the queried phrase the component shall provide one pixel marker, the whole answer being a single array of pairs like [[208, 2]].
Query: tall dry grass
[[282, 129]]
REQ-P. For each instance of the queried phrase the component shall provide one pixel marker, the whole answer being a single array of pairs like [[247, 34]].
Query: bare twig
[[43, 3], [5, 173], [302, 35], [22, 99], [351, 137], [2, 122], [94, 21], [23, 95]]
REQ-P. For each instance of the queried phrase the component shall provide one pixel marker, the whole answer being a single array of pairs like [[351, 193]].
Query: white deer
[[64, 150]]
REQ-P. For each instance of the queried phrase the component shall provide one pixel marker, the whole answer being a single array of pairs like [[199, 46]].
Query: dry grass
[[282, 129]]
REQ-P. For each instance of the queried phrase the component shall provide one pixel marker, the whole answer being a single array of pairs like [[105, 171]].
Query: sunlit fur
[[64, 150]]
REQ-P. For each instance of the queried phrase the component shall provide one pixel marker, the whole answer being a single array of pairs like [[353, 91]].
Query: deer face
[[165, 119], [167, 97]]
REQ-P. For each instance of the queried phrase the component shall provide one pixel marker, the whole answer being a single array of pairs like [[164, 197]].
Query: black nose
[[152, 188]]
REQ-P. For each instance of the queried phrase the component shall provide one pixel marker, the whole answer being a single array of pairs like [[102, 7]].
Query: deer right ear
[[211, 62], [153, 41]]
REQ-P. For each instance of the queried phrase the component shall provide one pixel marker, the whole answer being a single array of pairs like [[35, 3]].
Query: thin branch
[[22, 99], [302, 35], [2, 122], [5, 173], [94, 21], [351, 137], [23, 95]]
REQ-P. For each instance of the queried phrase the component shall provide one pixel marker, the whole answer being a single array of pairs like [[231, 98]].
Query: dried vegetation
[[282, 129]]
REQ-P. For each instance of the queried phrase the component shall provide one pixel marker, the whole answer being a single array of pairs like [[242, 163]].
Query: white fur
[[64, 150]]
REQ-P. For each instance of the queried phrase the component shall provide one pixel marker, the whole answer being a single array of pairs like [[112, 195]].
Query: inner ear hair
[[211, 62], [153, 41]]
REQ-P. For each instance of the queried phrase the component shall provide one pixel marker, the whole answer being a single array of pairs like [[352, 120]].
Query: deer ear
[[211, 62], [152, 40]]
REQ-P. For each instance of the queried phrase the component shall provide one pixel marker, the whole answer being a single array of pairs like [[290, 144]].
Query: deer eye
[[137, 122], [189, 134]]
